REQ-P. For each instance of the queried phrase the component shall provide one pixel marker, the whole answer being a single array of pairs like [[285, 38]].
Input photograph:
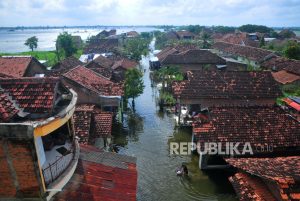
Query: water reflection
[[147, 137]]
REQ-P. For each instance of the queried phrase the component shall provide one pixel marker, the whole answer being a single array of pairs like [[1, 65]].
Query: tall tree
[[136, 47], [205, 38], [65, 43], [134, 84], [32, 42]]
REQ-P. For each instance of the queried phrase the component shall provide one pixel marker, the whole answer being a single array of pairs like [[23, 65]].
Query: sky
[[275, 13]]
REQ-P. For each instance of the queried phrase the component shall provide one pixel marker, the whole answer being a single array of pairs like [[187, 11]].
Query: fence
[[55, 169]]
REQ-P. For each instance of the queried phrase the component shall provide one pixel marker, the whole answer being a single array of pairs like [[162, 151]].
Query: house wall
[[19, 173], [119, 74], [35, 68]]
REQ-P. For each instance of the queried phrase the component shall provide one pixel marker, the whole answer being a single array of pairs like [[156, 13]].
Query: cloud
[[149, 12]]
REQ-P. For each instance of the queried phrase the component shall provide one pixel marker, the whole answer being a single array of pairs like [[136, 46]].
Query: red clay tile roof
[[165, 52], [193, 57], [101, 46], [103, 124], [23, 164], [101, 61], [63, 66], [82, 122], [252, 53], [7, 108], [259, 126], [88, 116], [132, 34], [175, 50], [67, 63], [284, 171], [285, 77], [281, 63], [239, 39], [185, 33], [249, 188], [95, 82], [171, 35], [101, 176], [34, 95], [103, 71], [124, 63], [227, 85], [14, 66]]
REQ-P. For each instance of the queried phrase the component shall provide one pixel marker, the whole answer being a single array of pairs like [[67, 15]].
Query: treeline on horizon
[[193, 28], [249, 28]]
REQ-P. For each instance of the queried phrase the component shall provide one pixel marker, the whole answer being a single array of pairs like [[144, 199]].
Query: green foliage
[[291, 90], [169, 74], [65, 43], [251, 28], [134, 84], [262, 42], [292, 51], [167, 98], [196, 29], [146, 35], [286, 33], [223, 29], [274, 34], [91, 38], [205, 38], [134, 48], [32, 42], [161, 39]]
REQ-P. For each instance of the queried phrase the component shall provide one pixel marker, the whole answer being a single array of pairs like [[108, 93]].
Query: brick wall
[[19, 179]]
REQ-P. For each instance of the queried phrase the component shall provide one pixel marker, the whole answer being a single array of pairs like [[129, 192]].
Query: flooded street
[[146, 136]]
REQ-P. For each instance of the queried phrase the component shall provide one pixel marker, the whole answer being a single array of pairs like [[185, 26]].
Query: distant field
[[297, 33], [49, 56]]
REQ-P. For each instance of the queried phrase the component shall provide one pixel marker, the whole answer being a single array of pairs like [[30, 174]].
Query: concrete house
[[204, 89], [93, 88]]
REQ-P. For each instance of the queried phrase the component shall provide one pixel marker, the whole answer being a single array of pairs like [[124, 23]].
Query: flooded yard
[[146, 135]]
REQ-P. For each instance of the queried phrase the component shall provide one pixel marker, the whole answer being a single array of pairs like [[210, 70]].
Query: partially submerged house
[[266, 178], [63, 66], [101, 46], [193, 59], [203, 89], [241, 38], [246, 54], [132, 34], [101, 65], [93, 126], [94, 88], [155, 63], [185, 35], [121, 66], [21, 66], [268, 130], [104, 33]]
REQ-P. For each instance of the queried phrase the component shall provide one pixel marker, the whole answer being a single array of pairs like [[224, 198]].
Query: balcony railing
[[56, 168]]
